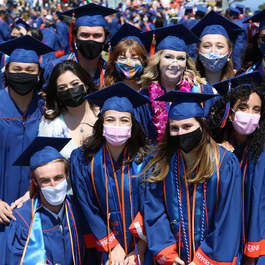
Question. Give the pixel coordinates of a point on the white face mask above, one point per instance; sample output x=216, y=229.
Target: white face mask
x=55, y=195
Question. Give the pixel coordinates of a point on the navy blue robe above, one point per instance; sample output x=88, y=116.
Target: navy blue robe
x=253, y=176
x=215, y=207
x=90, y=190
x=56, y=235
x=16, y=133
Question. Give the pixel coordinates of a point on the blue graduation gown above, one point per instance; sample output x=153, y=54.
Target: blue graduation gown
x=4, y=31
x=16, y=133
x=88, y=182
x=63, y=34
x=253, y=175
x=214, y=206
x=146, y=113
x=72, y=56
x=56, y=235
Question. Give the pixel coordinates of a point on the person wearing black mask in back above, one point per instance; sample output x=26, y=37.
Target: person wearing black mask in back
x=67, y=114
x=20, y=112
x=89, y=34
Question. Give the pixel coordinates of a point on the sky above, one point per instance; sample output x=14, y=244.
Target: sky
x=253, y=4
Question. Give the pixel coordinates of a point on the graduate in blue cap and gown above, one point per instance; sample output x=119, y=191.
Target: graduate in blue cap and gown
x=217, y=35
x=171, y=68
x=87, y=39
x=238, y=122
x=47, y=226
x=192, y=197
x=102, y=173
x=18, y=29
x=128, y=50
x=20, y=112
x=258, y=46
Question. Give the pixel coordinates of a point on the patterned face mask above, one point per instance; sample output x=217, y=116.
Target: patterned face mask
x=129, y=70
x=213, y=61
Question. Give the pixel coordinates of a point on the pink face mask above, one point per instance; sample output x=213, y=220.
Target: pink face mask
x=116, y=135
x=245, y=123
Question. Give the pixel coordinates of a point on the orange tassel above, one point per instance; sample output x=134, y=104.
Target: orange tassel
x=153, y=46
x=59, y=53
x=71, y=32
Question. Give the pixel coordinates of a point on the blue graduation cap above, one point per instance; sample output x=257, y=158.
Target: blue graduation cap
x=129, y=32
x=119, y=97
x=241, y=7
x=213, y=23
x=185, y=105
x=201, y=9
x=175, y=37
x=41, y=151
x=20, y=23
x=25, y=49
x=89, y=15
x=224, y=87
x=233, y=11
x=258, y=17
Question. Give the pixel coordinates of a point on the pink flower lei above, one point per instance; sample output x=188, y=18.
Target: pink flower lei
x=160, y=117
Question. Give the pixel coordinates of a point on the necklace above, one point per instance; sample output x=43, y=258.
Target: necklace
x=86, y=123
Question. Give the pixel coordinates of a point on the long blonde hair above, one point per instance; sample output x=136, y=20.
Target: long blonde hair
x=152, y=72
x=204, y=164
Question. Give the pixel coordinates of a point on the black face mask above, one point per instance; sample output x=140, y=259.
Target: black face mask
x=89, y=48
x=73, y=96
x=22, y=83
x=188, y=141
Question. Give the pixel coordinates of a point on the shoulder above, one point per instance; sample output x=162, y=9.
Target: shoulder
x=78, y=156
x=23, y=215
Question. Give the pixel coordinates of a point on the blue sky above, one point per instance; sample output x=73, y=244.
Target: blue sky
x=253, y=4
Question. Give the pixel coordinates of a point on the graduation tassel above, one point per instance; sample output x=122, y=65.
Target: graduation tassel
x=153, y=46
x=71, y=32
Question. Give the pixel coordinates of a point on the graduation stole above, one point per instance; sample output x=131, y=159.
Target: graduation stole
x=176, y=185
x=115, y=198
x=34, y=250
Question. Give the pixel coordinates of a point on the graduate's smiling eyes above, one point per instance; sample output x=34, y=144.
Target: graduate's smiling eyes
x=244, y=107
x=73, y=83
x=48, y=181
x=172, y=57
x=175, y=128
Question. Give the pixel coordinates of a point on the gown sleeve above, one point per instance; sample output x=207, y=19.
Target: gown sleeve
x=83, y=190
x=16, y=236
x=255, y=244
x=221, y=245
x=161, y=241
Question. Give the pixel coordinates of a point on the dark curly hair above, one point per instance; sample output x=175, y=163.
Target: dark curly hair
x=137, y=144
x=50, y=93
x=251, y=56
x=256, y=139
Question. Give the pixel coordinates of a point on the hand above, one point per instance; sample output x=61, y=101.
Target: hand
x=131, y=258
x=5, y=213
x=178, y=261
x=117, y=255
x=227, y=146
x=19, y=202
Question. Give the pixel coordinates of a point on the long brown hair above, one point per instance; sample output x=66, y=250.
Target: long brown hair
x=111, y=74
x=204, y=163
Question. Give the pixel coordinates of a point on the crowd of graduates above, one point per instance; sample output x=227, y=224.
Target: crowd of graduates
x=132, y=135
